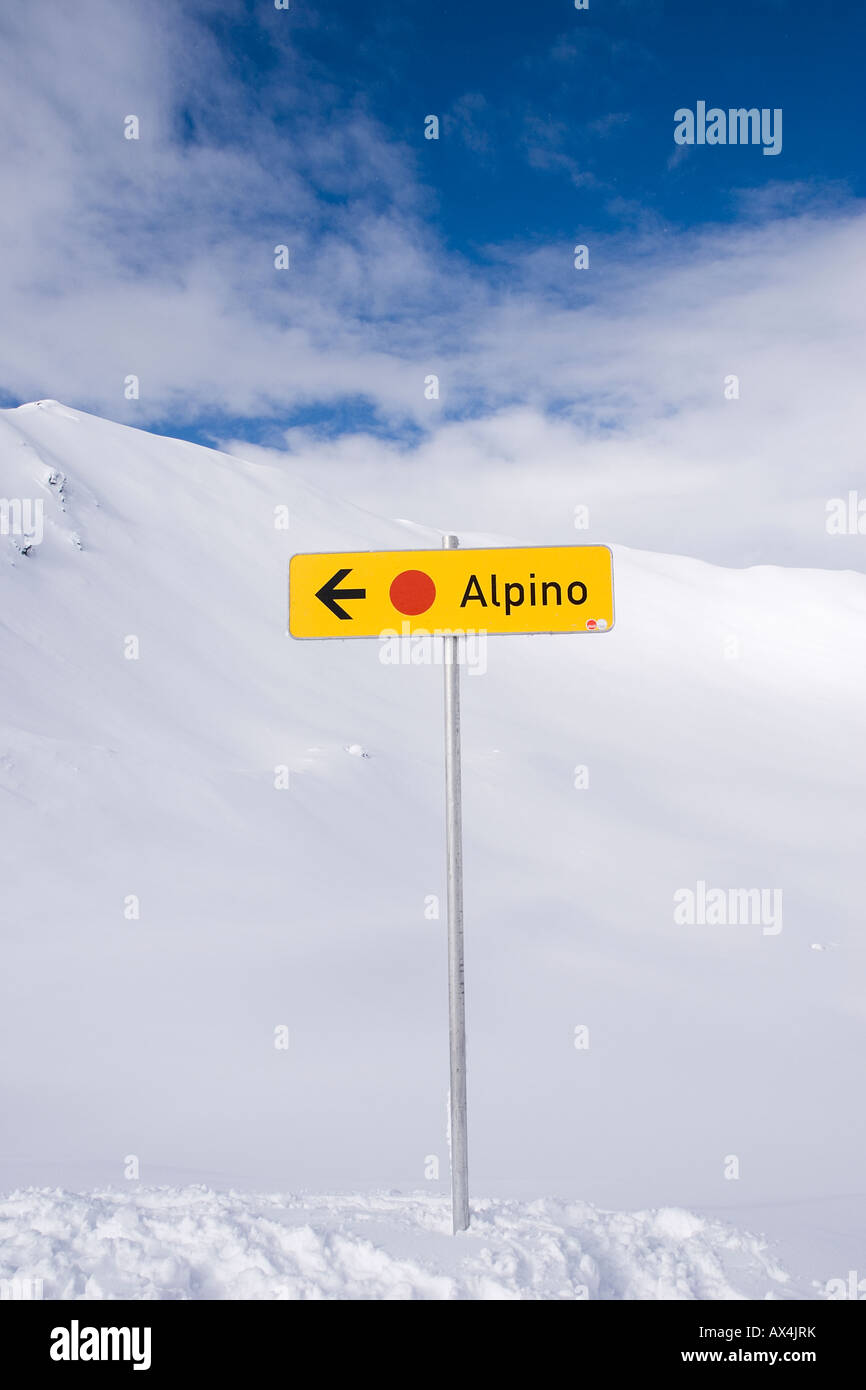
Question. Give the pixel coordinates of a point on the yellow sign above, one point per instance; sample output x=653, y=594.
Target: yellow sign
x=395, y=593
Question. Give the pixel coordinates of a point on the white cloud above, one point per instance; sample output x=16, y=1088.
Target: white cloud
x=642, y=432
x=156, y=256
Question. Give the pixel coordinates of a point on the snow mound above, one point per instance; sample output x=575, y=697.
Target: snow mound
x=195, y=1243
x=56, y=408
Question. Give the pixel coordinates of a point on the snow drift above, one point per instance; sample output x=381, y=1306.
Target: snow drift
x=183, y=1243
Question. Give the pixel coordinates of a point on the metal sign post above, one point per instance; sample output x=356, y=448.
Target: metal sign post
x=456, y=985
x=496, y=590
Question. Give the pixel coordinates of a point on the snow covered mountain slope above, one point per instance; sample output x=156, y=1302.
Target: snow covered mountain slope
x=720, y=724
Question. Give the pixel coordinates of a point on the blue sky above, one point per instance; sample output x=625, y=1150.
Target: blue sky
x=154, y=258
x=556, y=127
x=558, y=120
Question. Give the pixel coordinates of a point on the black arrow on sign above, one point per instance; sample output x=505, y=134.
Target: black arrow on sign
x=329, y=593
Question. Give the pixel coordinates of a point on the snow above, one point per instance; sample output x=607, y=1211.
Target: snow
x=55, y=407
x=181, y=1243
x=169, y=902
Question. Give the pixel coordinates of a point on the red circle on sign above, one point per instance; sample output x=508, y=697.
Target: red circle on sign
x=413, y=591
